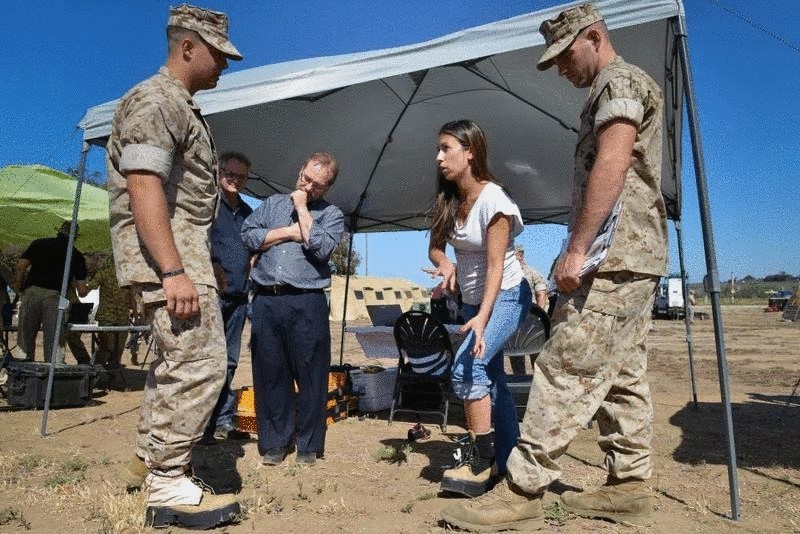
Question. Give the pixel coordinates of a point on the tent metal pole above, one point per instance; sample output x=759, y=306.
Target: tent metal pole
x=689, y=340
x=711, y=281
x=346, y=292
x=63, y=303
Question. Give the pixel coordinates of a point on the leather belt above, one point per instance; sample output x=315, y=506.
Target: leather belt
x=283, y=289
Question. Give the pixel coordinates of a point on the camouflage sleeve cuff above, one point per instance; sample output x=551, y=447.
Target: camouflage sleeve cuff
x=145, y=158
x=619, y=108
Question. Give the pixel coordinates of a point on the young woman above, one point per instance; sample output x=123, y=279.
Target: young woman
x=477, y=218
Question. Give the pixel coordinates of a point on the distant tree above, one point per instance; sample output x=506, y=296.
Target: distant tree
x=339, y=258
x=780, y=276
x=748, y=278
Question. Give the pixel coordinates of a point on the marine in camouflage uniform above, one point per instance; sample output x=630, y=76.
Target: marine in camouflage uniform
x=113, y=310
x=162, y=166
x=595, y=362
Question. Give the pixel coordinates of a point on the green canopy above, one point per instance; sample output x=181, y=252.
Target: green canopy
x=35, y=200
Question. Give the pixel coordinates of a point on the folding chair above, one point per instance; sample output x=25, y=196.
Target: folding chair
x=529, y=338
x=526, y=341
x=425, y=358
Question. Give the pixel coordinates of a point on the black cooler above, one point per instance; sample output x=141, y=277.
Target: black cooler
x=27, y=384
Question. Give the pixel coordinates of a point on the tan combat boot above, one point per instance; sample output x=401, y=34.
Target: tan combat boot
x=135, y=473
x=506, y=507
x=475, y=473
x=180, y=501
x=615, y=500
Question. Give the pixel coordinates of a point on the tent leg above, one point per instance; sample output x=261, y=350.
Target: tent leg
x=689, y=340
x=62, y=300
x=712, y=277
x=346, y=293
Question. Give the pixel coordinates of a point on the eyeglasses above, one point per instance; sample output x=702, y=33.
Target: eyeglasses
x=316, y=186
x=233, y=176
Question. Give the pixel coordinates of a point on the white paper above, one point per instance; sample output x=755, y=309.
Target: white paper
x=598, y=250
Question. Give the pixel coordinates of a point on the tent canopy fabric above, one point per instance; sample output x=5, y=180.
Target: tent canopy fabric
x=379, y=112
x=35, y=200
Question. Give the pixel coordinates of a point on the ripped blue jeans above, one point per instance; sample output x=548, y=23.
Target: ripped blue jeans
x=474, y=378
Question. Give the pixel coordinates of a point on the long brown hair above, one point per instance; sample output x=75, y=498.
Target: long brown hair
x=445, y=206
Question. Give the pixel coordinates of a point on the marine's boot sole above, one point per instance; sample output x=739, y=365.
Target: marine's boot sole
x=525, y=525
x=190, y=517
x=616, y=517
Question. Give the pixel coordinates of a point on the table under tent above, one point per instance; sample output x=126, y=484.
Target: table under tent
x=379, y=112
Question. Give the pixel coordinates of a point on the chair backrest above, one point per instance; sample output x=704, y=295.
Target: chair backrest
x=423, y=343
x=529, y=338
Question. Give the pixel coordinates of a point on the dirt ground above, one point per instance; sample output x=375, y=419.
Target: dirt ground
x=372, y=480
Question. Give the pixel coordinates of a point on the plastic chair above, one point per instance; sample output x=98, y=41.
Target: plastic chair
x=425, y=357
x=526, y=341
x=529, y=338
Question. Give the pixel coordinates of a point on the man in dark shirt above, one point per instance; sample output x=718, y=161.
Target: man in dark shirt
x=231, y=261
x=43, y=263
x=294, y=235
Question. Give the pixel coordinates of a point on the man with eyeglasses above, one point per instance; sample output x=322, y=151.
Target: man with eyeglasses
x=231, y=262
x=294, y=235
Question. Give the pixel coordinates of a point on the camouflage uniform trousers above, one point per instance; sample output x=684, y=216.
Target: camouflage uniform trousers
x=184, y=382
x=594, y=363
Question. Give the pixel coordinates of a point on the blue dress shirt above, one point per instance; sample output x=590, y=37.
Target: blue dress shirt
x=227, y=248
x=295, y=264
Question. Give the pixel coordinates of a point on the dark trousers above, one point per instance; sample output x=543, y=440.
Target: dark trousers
x=234, y=311
x=291, y=341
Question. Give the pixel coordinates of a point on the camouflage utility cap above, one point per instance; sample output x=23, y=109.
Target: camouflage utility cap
x=212, y=26
x=560, y=32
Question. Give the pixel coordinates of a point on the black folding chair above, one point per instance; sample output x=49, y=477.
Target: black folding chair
x=529, y=338
x=526, y=342
x=425, y=358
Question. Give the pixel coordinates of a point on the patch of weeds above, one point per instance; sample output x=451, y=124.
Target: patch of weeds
x=409, y=506
x=10, y=516
x=555, y=514
x=268, y=503
x=392, y=455
x=29, y=462
x=70, y=471
x=428, y=496
x=334, y=508
x=290, y=470
x=301, y=495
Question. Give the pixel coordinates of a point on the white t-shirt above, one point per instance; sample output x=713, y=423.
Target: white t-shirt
x=469, y=242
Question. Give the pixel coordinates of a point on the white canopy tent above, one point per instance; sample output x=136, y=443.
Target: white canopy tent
x=379, y=113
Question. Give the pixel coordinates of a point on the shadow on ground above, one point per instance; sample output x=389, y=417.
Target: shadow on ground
x=766, y=430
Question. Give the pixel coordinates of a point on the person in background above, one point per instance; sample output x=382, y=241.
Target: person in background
x=476, y=217
x=539, y=286
x=113, y=309
x=163, y=197
x=535, y=279
x=231, y=261
x=294, y=236
x=6, y=305
x=595, y=361
x=690, y=305
x=38, y=278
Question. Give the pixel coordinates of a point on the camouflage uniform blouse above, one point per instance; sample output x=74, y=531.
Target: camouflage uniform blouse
x=114, y=306
x=624, y=91
x=158, y=128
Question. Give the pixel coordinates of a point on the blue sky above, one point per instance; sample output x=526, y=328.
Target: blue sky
x=61, y=57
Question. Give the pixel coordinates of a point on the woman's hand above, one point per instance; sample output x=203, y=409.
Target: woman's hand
x=478, y=326
x=447, y=271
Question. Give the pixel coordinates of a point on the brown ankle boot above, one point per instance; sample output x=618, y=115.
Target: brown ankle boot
x=506, y=507
x=476, y=472
x=616, y=501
